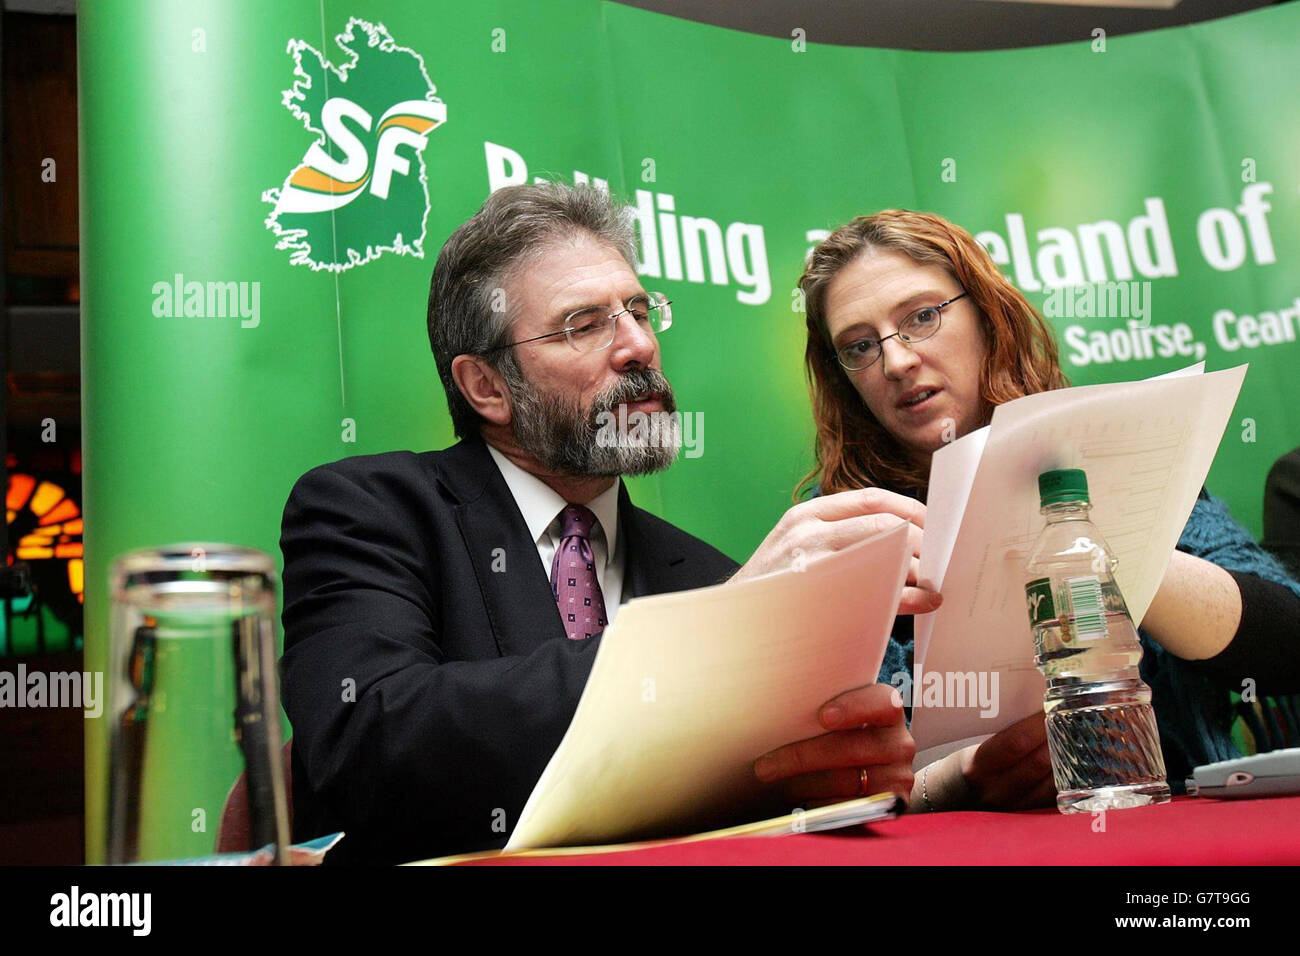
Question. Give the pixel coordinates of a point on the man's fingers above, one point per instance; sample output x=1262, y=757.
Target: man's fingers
x=845, y=784
x=824, y=537
x=895, y=778
x=838, y=535
x=841, y=784
x=843, y=749
x=867, y=501
x=876, y=705
x=831, y=523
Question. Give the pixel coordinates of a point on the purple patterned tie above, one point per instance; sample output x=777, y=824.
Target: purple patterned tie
x=573, y=576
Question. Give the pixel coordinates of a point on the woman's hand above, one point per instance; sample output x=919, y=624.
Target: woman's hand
x=1012, y=770
x=867, y=749
x=822, y=526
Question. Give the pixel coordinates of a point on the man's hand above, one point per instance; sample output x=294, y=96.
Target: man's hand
x=865, y=731
x=1012, y=770
x=816, y=528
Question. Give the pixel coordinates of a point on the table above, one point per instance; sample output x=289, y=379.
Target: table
x=1187, y=831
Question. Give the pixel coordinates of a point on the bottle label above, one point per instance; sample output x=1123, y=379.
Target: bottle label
x=1087, y=607
x=1038, y=597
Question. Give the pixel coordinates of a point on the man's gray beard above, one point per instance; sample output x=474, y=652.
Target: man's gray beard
x=563, y=439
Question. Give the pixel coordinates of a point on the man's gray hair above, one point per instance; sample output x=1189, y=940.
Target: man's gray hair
x=467, y=309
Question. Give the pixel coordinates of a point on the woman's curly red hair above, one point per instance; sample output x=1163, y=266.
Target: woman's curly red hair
x=853, y=450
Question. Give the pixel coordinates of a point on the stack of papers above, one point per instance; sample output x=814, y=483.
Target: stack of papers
x=850, y=813
x=688, y=689
x=1146, y=447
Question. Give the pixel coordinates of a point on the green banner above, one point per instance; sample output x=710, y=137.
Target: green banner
x=265, y=189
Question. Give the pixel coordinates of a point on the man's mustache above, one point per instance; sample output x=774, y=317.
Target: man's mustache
x=632, y=384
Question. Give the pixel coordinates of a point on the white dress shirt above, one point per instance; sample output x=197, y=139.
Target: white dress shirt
x=541, y=507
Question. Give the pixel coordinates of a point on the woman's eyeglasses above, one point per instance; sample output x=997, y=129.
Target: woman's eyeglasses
x=915, y=327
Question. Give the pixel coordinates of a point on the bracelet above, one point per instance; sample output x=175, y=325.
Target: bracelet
x=925, y=795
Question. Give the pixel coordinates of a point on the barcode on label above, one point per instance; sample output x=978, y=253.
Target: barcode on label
x=1089, y=611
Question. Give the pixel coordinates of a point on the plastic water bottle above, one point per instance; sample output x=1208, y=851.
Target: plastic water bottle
x=1101, y=728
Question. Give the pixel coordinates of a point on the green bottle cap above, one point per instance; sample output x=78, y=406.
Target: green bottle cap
x=1063, y=484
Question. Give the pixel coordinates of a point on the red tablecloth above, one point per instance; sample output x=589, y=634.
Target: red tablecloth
x=1187, y=831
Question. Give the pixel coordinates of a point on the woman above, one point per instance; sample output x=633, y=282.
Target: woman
x=914, y=336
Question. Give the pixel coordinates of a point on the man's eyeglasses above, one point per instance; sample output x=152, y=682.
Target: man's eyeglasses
x=915, y=327
x=588, y=330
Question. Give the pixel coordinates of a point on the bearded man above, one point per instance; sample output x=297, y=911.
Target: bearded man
x=442, y=610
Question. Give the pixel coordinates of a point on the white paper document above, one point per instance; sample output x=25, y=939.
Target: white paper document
x=1146, y=448
x=688, y=689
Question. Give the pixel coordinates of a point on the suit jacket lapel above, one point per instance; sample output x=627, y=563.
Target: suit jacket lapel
x=654, y=563
x=516, y=590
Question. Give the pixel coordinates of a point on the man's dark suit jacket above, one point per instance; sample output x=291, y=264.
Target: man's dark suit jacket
x=426, y=672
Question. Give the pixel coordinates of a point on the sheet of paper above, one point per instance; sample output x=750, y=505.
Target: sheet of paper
x=950, y=484
x=688, y=689
x=952, y=472
x=858, y=812
x=1146, y=447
